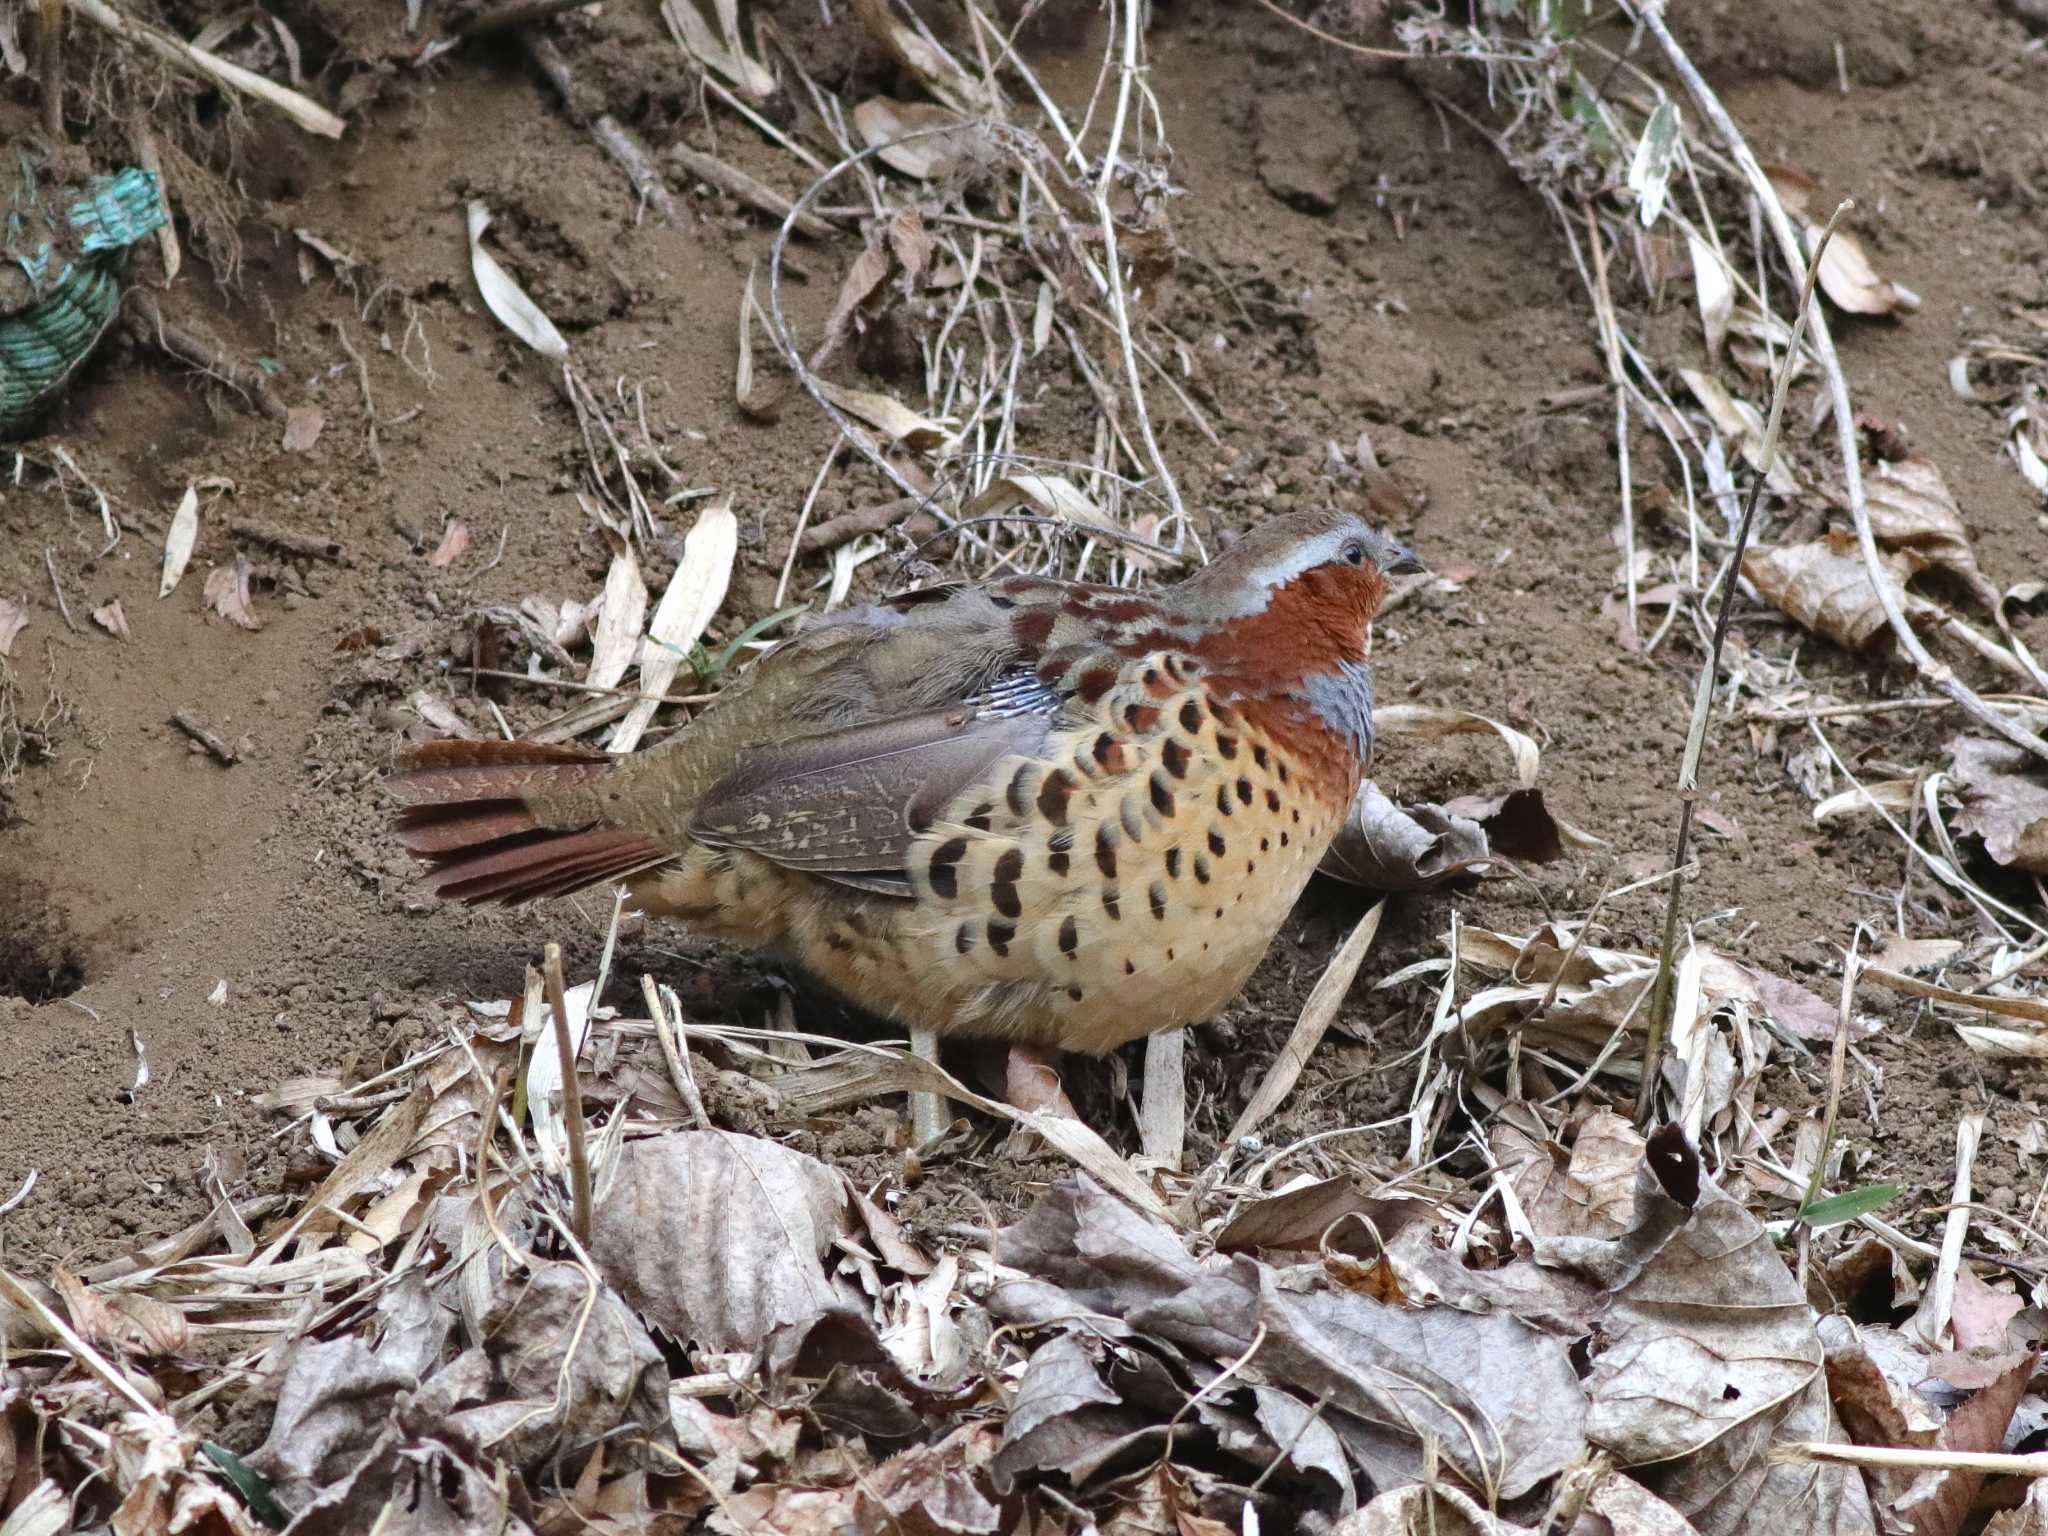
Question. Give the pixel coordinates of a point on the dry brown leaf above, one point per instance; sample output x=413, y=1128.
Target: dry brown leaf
x=719, y=1237
x=1847, y=277
x=1911, y=508
x=910, y=243
x=126, y=1323
x=1051, y=496
x=454, y=540
x=920, y=140
x=109, y=616
x=2005, y=801
x=1386, y=847
x=870, y=268
x=1825, y=586
x=887, y=415
x=227, y=593
x=302, y=427
x=13, y=620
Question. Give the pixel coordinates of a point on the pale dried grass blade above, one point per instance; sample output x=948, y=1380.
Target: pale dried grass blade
x=1310, y=1028
x=505, y=298
x=617, y=641
x=13, y=620
x=695, y=594
x=178, y=542
x=1716, y=291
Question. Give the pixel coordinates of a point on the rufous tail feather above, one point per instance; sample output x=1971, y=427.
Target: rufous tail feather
x=467, y=817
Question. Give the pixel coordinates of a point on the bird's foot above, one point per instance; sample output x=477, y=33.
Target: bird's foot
x=1031, y=1082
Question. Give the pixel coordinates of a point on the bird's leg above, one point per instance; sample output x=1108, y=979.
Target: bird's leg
x=1031, y=1081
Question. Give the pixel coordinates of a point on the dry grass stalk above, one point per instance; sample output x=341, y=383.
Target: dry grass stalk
x=572, y=1091
x=1703, y=696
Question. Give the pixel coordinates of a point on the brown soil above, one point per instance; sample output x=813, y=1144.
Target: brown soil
x=133, y=863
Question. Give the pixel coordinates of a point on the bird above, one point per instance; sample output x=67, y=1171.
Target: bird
x=60, y=283
x=1054, y=814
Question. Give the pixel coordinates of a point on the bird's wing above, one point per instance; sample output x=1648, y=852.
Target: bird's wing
x=850, y=801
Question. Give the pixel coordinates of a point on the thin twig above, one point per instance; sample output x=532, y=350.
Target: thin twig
x=50, y=64
x=151, y=327
x=572, y=1090
x=1703, y=696
x=197, y=729
x=310, y=545
x=56, y=586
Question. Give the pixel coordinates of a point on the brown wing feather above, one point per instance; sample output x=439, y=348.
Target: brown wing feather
x=847, y=800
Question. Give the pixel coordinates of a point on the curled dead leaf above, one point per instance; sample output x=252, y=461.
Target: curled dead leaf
x=1386, y=847
x=1848, y=278
x=1911, y=508
x=13, y=620
x=110, y=617
x=454, y=540
x=914, y=137
x=1825, y=586
x=2005, y=801
x=227, y=594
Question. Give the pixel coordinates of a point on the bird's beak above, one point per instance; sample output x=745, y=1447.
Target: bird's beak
x=1403, y=561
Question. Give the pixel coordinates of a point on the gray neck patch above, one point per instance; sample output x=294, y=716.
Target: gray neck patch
x=1343, y=701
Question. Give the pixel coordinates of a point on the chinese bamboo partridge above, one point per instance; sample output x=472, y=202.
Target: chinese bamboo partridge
x=1056, y=814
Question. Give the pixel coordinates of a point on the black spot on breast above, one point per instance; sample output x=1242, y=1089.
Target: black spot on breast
x=1105, y=850
x=1070, y=936
x=1054, y=794
x=1060, y=847
x=1250, y=865
x=1191, y=716
x=1151, y=677
x=1295, y=817
x=1176, y=756
x=1108, y=753
x=1273, y=801
x=1074, y=993
x=1002, y=891
x=1281, y=769
x=1143, y=718
x=1111, y=905
x=1019, y=792
x=1226, y=744
x=1162, y=793
x=1216, y=844
x=1244, y=790
x=1130, y=969
x=1202, y=868
x=1219, y=911
x=1283, y=839
x=919, y=818
x=1266, y=844
x=1260, y=755
x=1223, y=805
x=999, y=936
x=1157, y=894
x=963, y=938
x=944, y=871
x=1173, y=863
x=981, y=819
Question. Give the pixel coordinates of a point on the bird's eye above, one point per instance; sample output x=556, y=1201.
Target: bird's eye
x=1354, y=552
